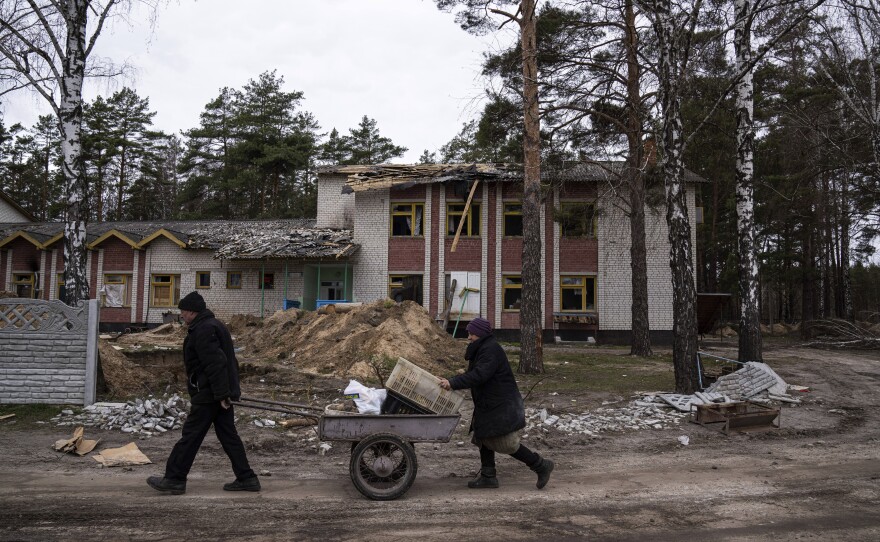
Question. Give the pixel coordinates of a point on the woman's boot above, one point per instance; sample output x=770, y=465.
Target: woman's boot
x=486, y=478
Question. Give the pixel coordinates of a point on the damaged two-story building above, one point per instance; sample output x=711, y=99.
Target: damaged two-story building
x=406, y=221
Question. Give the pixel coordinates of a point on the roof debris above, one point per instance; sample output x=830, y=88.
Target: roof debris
x=228, y=239
x=374, y=177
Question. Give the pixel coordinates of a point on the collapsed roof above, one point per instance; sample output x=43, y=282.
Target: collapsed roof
x=374, y=177
x=228, y=239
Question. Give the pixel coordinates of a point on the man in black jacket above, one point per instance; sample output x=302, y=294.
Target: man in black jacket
x=212, y=383
x=498, y=407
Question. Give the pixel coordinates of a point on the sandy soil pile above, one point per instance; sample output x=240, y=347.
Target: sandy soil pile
x=347, y=344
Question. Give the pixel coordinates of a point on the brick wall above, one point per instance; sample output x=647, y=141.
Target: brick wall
x=614, y=277
x=371, y=233
x=335, y=209
x=406, y=253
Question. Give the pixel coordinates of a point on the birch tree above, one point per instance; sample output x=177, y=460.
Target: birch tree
x=745, y=14
x=480, y=16
x=674, y=29
x=47, y=46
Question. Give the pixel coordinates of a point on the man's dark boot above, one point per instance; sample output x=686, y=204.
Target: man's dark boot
x=248, y=484
x=543, y=467
x=165, y=485
x=485, y=479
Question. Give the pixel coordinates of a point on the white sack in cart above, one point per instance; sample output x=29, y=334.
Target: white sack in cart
x=368, y=400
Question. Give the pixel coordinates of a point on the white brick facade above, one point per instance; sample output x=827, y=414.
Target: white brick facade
x=335, y=209
x=163, y=257
x=371, y=233
x=614, y=280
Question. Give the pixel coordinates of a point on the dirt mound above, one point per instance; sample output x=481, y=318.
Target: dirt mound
x=243, y=323
x=348, y=344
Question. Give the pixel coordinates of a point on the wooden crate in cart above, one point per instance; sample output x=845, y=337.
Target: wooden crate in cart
x=383, y=462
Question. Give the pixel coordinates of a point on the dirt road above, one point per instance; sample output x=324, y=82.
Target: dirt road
x=817, y=477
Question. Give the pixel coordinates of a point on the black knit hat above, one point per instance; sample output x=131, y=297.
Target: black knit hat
x=192, y=302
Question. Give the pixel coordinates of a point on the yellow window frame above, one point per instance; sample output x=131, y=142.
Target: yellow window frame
x=119, y=278
x=199, y=275
x=416, y=210
x=395, y=281
x=585, y=280
x=509, y=282
x=232, y=285
x=24, y=279
x=59, y=284
x=158, y=287
x=454, y=210
x=510, y=213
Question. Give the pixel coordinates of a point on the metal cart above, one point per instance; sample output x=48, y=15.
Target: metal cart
x=383, y=462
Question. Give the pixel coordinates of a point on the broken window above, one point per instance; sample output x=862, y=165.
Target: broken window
x=23, y=285
x=268, y=281
x=455, y=214
x=405, y=287
x=511, y=292
x=406, y=219
x=577, y=293
x=203, y=279
x=577, y=219
x=165, y=290
x=513, y=226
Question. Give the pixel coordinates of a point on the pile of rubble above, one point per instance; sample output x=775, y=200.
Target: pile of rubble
x=639, y=414
x=144, y=417
x=755, y=381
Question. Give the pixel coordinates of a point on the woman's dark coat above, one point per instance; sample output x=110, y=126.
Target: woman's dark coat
x=209, y=357
x=498, y=406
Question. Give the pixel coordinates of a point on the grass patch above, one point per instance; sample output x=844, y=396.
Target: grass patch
x=607, y=373
x=28, y=415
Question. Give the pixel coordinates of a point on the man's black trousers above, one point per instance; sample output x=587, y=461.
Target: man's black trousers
x=197, y=424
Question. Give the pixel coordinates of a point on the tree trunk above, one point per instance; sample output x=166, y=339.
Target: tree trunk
x=531, y=329
x=845, y=282
x=684, y=327
x=120, y=189
x=641, y=327
x=76, y=282
x=749, y=318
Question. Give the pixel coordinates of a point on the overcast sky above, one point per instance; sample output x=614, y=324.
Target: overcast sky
x=402, y=62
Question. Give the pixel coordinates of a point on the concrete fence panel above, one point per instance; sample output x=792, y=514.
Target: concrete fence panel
x=48, y=351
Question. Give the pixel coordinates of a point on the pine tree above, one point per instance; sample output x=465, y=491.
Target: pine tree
x=366, y=146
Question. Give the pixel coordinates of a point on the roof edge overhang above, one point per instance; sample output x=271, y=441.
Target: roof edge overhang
x=113, y=233
x=23, y=235
x=162, y=232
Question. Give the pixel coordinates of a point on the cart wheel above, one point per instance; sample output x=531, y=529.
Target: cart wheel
x=383, y=467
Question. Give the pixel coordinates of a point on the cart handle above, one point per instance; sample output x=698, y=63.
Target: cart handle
x=278, y=407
